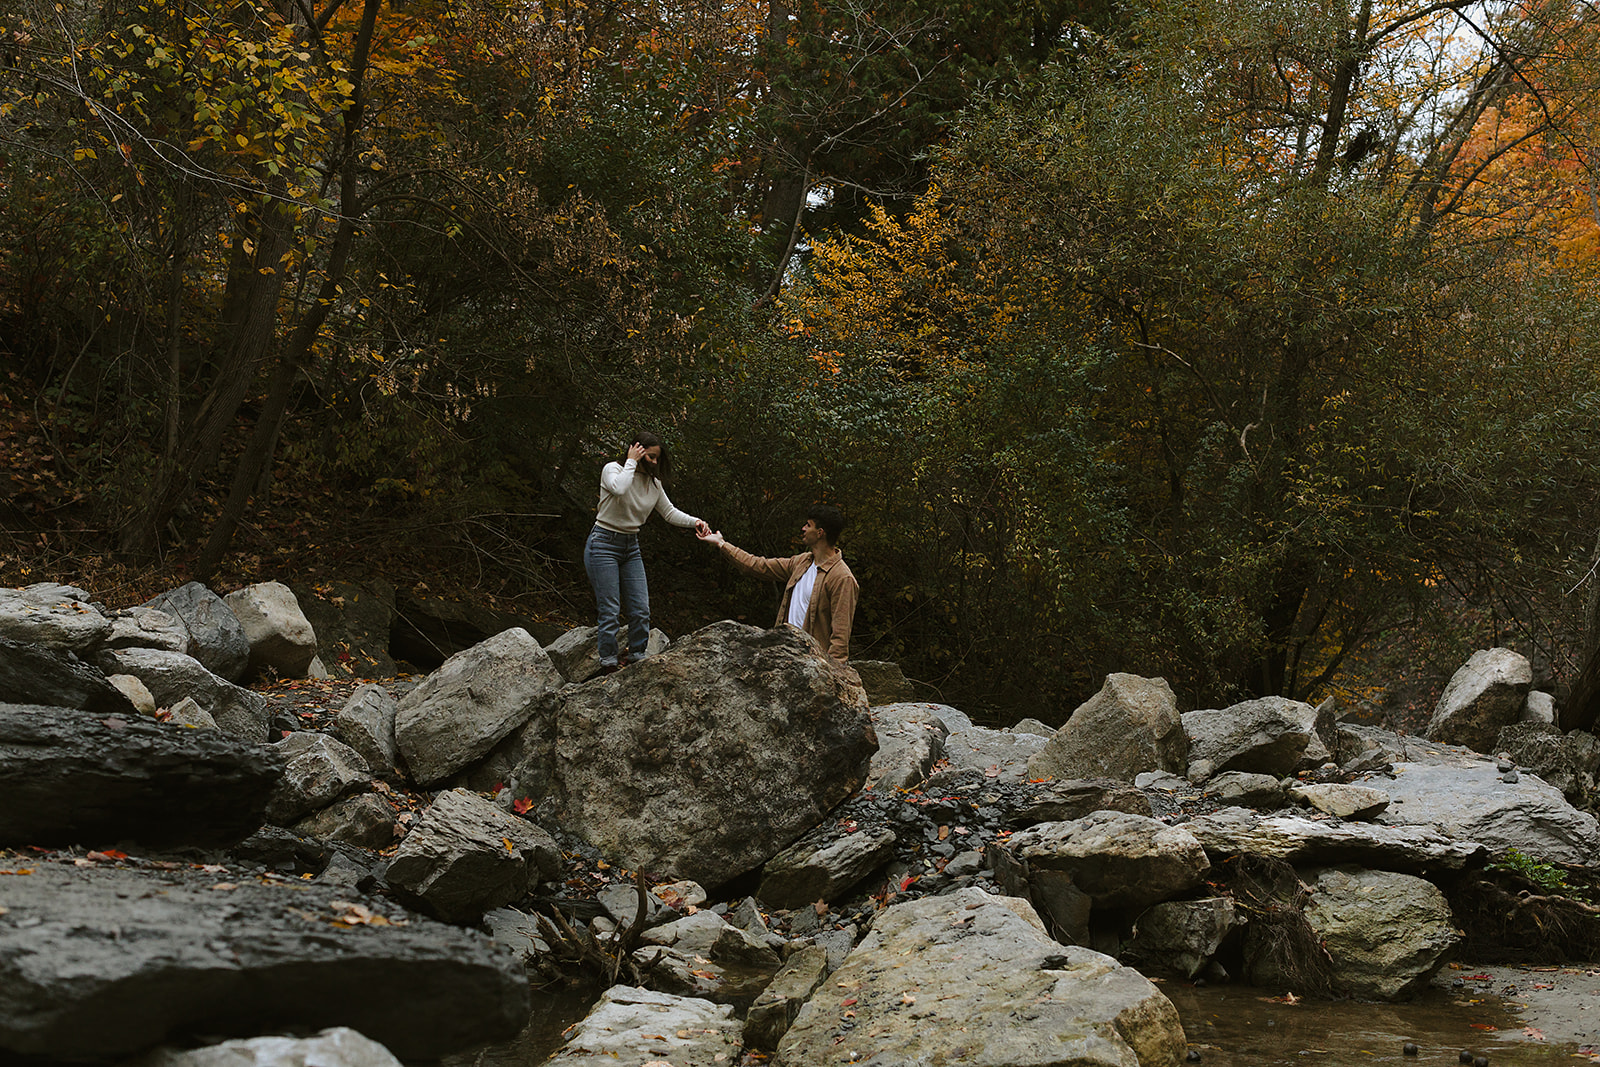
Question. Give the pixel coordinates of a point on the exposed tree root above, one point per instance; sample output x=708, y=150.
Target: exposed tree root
x=1505, y=921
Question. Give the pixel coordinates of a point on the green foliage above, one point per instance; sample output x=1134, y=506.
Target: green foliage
x=1285, y=414
x=1546, y=876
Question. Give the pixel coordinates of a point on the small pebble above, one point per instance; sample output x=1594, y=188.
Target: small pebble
x=1509, y=776
x=1481, y=1061
x=1409, y=1048
x=1193, y=1055
x=1465, y=1057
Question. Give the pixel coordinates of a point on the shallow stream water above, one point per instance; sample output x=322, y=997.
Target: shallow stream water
x=1237, y=1026
x=1229, y=1026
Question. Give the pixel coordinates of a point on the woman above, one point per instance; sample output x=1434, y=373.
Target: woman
x=629, y=491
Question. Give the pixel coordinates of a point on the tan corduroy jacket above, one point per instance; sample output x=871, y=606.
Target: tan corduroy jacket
x=833, y=598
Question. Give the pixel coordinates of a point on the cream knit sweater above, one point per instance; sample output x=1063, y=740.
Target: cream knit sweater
x=627, y=497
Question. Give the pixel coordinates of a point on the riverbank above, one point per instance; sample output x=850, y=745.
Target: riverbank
x=1559, y=1005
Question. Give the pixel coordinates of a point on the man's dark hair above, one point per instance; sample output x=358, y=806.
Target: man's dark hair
x=663, y=465
x=829, y=518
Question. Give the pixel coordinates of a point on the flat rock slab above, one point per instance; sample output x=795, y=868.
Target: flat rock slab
x=1475, y=803
x=1299, y=840
x=106, y=962
x=77, y=777
x=36, y=674
x=59, y=617
x=972, y=979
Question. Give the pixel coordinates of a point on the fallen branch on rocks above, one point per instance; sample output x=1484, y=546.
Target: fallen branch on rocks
x=589, y=955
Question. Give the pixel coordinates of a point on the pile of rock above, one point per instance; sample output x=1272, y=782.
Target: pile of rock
x=920, y=882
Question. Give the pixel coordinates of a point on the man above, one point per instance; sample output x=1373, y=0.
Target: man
x=821, y=595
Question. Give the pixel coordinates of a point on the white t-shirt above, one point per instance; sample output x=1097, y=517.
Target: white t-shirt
x=800, y=599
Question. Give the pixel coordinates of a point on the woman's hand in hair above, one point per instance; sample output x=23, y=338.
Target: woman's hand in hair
x=636, y=451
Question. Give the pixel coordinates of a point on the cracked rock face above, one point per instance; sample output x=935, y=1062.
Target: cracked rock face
x=73, y=777
x=104, y=963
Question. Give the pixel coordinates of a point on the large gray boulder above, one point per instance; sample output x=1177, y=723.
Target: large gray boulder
x=1341, y=799
x=70, y=776
x=1387, y=933
x=705, y=761
x=1058, y=801
x=466, y=856
x=973, y=978
x=59, y=617
x=38, y=674
x=823, y=867
x=1299, y=840
x=775, y=1009
x=1129, y=727
x=318, y=770
x=366, y=724
x=629, y=1025
x=216, y=638
x=1244, y=789
x=1265, y=736
x=1477, y=802
x=576, y=653
x=105, y=963
x=365, y=820
x=1490, y=691
x=1570, y=762
x=1360, y=747
x=883, y=680
x=281, y=639
x=475, y=698
x=172, y=676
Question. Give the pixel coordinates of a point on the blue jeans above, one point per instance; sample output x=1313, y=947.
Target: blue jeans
x=616, y=571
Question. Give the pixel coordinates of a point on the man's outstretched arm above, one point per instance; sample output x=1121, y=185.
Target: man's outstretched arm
x=760, y=566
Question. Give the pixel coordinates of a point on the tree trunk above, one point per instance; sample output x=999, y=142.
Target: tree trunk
x=1582, y=706
x=257, y=457
x=252, y=333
